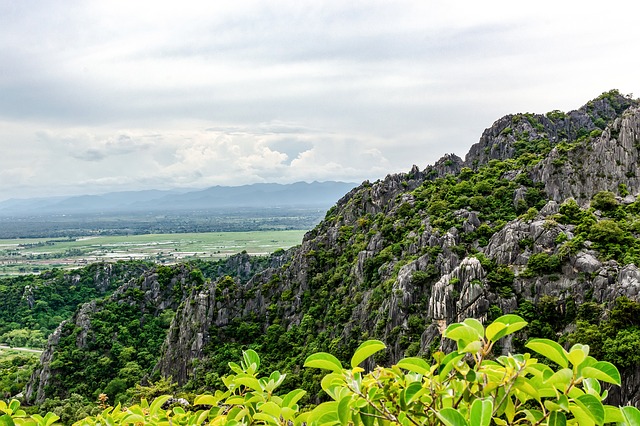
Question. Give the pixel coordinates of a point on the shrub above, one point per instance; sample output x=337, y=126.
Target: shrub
x=468, y=386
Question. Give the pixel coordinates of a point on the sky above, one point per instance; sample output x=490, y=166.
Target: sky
x=100, y=96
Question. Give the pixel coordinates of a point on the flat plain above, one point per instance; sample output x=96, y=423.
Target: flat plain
x=28, y=255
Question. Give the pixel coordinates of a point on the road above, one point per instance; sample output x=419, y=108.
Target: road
x=35, y=351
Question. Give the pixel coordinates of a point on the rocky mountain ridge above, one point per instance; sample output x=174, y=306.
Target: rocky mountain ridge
x=530, y=222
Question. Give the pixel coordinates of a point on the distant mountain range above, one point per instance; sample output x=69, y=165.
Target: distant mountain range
x=259, y=195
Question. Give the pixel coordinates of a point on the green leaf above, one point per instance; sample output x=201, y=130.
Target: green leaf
x=365, y=350
x=592, y=406
x=50, y=419
x=250, y=382
x=578, y=353
x=613, y=414
x=267, y=418
x=415, y=365
x=344, y=410
x=631, y=415
x=270, y=408
x=472, y=348
x=581, y=416
x=206, y=400
x=6, y=420
x=366, y=415
x=561, y=379
x=557, y=418
x=481, y=410
x=323, y=360
x=504, y=325
x=451, y=417
x=524, y=385
x=603, y=370
x=549, y=349
x=414, y=391
x=251, y=358
x=475, y=324
x=156, y=406
x=325, y=413
x=292, y=397
x=459, y=331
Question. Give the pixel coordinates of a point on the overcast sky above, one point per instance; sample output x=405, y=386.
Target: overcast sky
x=101, y=96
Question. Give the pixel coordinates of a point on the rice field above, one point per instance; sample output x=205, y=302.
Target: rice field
x=29, y=255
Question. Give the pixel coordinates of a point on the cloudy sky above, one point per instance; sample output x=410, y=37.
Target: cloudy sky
x=98, y=96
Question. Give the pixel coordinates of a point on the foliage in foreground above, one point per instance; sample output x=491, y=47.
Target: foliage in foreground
x=466, y=387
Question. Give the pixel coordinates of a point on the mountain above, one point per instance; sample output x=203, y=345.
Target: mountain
x=269, y=195
x=541, y=218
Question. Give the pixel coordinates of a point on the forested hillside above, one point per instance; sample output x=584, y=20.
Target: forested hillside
x=540, y=219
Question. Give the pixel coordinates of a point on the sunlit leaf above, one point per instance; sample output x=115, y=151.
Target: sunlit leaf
x=415, y=365
x=323, y=360
x=503, y=326
x=549, y=349
x=459, y=331
x=481, y=410
x=451, y=417
x=603, y=370
x=592, y=406
x=365, y=350
x=631, y=416
x=293, y=397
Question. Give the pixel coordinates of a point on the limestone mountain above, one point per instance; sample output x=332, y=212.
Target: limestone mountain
x=541, y=218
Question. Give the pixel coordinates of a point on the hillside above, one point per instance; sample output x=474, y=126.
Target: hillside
x=540, y=218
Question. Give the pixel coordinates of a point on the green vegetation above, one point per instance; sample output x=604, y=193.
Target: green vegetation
x=15, y=369
x=468, y=386
x=19, y=256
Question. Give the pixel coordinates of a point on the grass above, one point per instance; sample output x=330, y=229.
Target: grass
x=27, y=255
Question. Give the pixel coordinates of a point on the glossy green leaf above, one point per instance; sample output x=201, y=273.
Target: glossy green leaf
x=503, y=326
x=603, y=370
x=413, y=392
x=557, y=418
x=325, y=413
x=560, y=379
x=481, y=410
x=267, y=418
x=451, y=417
x=206, y=400
x=631, y=416
x=459, y=331
x=592, y=406
x=249, y=381
x=612, y=414
x=6, y=420
x=549, y=349
x=581, y=416
x=251, y=361
x=415, y=365
x=293, y=397
x=344, y=410
x=156, y=405
x=323, y=360
x=472, y=348
x=365, y=350
x=475, y=324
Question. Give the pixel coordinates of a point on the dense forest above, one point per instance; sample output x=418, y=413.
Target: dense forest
x=541, y=221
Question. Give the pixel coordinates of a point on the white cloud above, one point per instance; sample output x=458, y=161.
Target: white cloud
x=97, y=95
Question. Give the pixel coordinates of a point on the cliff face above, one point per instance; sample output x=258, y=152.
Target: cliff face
x=400, y=258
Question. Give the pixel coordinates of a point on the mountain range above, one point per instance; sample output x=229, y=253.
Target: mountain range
x=259, y=195
x=541, y=219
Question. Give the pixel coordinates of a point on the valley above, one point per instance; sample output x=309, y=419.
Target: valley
x=33, y=255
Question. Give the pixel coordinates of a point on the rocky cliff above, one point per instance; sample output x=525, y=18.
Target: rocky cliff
x=539, y=219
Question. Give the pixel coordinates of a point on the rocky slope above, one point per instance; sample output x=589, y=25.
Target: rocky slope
x=400, y=258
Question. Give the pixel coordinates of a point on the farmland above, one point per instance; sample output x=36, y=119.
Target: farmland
x=31, y=255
